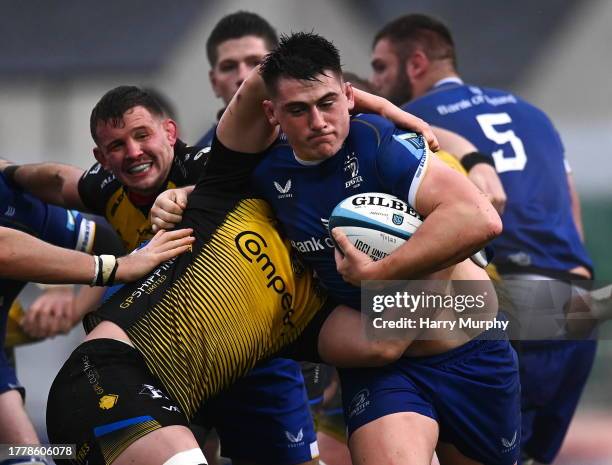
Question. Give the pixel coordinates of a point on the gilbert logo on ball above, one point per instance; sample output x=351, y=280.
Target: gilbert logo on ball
x=375, y=223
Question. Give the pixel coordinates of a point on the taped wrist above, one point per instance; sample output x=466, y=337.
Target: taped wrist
x=105, y=269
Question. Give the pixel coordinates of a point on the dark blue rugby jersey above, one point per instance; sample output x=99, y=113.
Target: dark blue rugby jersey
x=206, y=139
x=376, y=157
x=539, y=230
x=49, y=223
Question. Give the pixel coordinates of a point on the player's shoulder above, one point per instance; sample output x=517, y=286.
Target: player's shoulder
x=188, y=163
x=96, y=181
x=367, y=127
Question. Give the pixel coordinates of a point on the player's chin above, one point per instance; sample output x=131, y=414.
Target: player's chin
x=326, y=149
x=149, y=182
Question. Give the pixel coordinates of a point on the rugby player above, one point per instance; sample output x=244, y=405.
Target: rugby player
x=158, y=349
x=44, y=243
x=390, y=414
x=261, y=408
x=414, y=59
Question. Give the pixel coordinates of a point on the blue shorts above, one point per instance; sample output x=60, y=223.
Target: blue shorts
x=553, y=375
x=473, y=392
x=265, y=416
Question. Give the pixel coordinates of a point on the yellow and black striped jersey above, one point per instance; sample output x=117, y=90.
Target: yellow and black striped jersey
x=104, y=195
x=206, y=318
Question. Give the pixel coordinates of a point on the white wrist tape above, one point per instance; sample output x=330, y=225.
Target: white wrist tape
x=96, y=271
x=187, y=457
x=108, y=264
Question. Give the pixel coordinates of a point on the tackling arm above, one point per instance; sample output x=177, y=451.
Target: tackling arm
x=51, y=182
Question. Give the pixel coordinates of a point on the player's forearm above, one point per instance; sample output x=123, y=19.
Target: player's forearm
x=449, y=235
x=244, y=126
x=51, y=182
x=369, y=103
x=26, y=258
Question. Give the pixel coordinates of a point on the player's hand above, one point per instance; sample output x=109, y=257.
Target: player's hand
x=487, y=180
x=167, y=211
x=51, y=313
x=352, y=264
x=164, y=246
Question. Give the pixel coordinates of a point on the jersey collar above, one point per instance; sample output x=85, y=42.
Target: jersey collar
x=452, y=80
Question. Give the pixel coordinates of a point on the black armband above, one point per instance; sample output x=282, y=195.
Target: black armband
x=474, y=158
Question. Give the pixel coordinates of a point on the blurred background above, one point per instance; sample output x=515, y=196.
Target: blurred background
x=58, y=58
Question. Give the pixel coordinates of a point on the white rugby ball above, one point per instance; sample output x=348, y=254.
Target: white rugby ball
x=375, y=223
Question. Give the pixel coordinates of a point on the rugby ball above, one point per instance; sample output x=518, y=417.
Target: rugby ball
x=375, y=223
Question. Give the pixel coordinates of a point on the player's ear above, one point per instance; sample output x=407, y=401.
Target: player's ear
x=100, y=157
x=416, y=65
x=213, y=82
x=268, y=107
x=350, y=97
x=171, y=130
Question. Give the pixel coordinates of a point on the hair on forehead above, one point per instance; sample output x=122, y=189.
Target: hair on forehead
x=236, y=26
x=303, y=56
x=113, y=105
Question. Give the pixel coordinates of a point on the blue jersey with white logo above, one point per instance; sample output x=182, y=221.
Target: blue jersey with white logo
x=49, y=223
x=376, y=157
x=539, y=230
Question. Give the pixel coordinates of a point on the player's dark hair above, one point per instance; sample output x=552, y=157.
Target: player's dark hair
x=235, y=26
x=408, y=32
x=117, y=101
x=303, y=56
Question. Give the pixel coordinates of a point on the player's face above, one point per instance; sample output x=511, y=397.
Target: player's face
x=389, y=77
x=313, y=114
x=236, y=59
x=139, y=152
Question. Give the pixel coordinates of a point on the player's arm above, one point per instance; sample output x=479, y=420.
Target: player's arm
x=459, y=222
x=482, y=174
x=244, y=126
x=54, y=183
x=19, y=251
x=576, y=207
x=369, y=103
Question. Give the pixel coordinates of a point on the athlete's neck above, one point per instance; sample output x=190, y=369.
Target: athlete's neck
x=141, y=200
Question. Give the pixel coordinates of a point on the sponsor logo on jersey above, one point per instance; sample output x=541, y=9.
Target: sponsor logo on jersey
x=313, y=244
x=251, y=246
x=108, y=401
x=10, y=211
x=359, y=403
x=107, y=180
x=283, y=190
x=153, y=281
x=351, y=167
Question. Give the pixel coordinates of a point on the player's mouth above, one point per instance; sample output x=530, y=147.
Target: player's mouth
x=140, y=168
x=319, y=138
